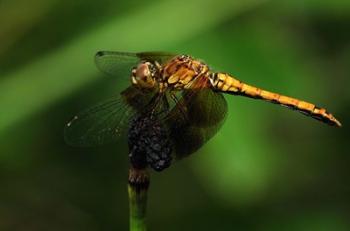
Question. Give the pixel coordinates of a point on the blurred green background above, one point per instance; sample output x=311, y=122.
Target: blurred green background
x=267, y=169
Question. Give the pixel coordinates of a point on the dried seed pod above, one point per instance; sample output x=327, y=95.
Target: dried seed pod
x=149, y=144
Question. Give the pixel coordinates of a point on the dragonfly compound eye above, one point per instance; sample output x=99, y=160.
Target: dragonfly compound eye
x=143, y=75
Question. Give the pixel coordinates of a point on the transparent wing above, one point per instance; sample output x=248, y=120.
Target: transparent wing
x=120, y=63
x=100, y=124
x=106, y=121
x=116, y=63
x=195, y=119
x=160, y=57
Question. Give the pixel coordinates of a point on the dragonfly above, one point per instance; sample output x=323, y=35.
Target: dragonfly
x=179, y=93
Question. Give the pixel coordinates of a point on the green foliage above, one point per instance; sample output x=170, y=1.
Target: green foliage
x=267, y=169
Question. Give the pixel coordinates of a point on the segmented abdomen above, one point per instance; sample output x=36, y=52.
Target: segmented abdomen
x=227, y=84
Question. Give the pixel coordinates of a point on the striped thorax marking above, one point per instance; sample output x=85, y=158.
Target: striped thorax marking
x=180, y=72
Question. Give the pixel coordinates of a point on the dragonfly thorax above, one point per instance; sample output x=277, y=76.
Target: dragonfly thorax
x=182, y=71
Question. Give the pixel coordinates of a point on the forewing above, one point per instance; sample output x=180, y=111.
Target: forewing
x=106, y=121
x=196, y=119
x=160, y=57
x=116, y=63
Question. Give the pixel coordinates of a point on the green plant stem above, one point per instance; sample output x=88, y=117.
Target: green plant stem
x=137, y=190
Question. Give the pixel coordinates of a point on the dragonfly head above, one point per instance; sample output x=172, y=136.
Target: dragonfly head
x=144, y=75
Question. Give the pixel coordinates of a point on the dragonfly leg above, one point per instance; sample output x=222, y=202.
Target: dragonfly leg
x=158, y=104
x=164, y=106
x=180, y=105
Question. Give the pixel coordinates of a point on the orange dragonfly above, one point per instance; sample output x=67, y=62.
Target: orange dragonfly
x=180, y=95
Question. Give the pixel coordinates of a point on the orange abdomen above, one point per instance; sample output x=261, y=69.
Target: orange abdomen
x=227, y=84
